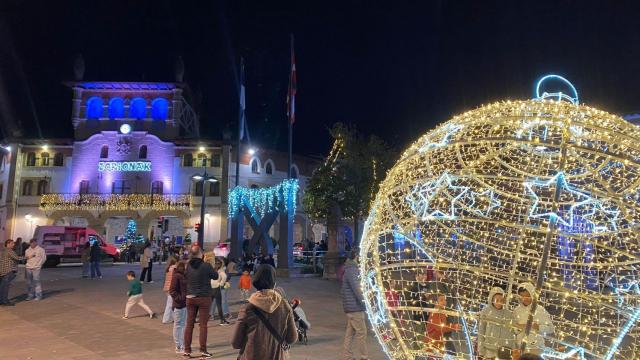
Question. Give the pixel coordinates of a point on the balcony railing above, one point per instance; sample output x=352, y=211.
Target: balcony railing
x=115, y=202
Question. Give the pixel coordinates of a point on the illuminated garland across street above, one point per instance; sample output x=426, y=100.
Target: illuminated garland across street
x=265, y=200
x=115, y=202
x=543, y=191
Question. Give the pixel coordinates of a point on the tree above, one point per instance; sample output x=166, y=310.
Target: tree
x=346, y=183
x=131, y=233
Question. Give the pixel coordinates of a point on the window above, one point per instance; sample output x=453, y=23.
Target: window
x=94, y=108
x=31, y=159
x=202, y=160
x=142, y=154
x=58, y=159
x=104, y=152
x=138, y=108
x=214, y=188
x=215, y=160
x=198, y=188
x=120, y=187
x=254, y=166
x=84, y=187
x=43, y=187
x=116, y=108
x=159, y=109
x=156, y=187
x=268, y=169
x=187, y=160
x=27, y=187
x=44, y=159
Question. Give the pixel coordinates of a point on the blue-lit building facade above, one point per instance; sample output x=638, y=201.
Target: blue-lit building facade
x=132, y=156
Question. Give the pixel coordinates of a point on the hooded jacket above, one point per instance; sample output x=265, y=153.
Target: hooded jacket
x=199, y=274
x=253, y=338
x=495, y=328
x=535, y=340
x=352, y=299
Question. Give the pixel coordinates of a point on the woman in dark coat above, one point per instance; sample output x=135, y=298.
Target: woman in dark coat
x=251, y=335
x=95, y=255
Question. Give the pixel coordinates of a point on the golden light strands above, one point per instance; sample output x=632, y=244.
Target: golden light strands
x=471, y=205
x=118, y=202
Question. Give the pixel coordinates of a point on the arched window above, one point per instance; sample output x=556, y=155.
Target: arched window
x=43, y=187
x=156, y=187
x=44, y=159
x=294, y=172
x=187, y=160
x=104, y=152
x=58, y=159
x=214, y=188
x=159, y=109
x=27, y=187
x=138, y=108
x=94, y=107
x=254, y=166
x=202, y=160
x=268, y=169
x=142, y=154
x=116, y=108
x=31, y=159
x=84, y=187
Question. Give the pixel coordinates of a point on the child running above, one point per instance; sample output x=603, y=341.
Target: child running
x=135, y=296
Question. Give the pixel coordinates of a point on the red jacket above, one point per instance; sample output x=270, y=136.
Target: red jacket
x=245, y=282
x=437, y=326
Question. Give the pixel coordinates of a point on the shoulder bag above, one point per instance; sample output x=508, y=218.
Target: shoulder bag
x=283, y=344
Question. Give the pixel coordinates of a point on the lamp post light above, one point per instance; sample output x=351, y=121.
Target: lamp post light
x=203, y=178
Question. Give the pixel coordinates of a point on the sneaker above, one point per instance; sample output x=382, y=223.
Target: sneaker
x=29, y=298
x=150, y=282
x=206, y=355
x=37, y=299
x=125, y=317
x=224, y=323
x=100, y=277
x=179, y=351
x=152, y=315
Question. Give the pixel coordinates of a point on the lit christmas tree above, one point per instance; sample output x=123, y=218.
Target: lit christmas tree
x=131, y=231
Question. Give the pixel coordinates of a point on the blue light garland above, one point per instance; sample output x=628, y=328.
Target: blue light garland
x=265, y=200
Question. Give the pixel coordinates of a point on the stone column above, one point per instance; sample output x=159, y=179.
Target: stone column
x=75, y=106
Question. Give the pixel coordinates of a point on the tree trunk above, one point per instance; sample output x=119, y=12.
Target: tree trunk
x=331, y=259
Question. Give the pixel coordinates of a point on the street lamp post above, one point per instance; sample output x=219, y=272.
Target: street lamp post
x=203, y=179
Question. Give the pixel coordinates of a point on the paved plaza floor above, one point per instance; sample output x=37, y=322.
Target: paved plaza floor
x=81, y=319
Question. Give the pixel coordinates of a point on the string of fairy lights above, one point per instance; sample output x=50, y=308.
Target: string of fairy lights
x=265, y=200
x=117, y=202
x=472, y=204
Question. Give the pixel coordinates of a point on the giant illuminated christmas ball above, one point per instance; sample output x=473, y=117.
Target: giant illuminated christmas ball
x=545, y=191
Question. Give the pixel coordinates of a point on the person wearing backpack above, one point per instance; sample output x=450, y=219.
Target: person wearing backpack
x=265, y=327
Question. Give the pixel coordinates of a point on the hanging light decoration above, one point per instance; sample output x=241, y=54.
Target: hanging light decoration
x=543, y=191
x=265, y=200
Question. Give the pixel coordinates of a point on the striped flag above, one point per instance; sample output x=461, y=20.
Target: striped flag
x=291, y=95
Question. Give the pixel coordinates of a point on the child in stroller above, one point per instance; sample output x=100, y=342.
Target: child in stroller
x=301, y=320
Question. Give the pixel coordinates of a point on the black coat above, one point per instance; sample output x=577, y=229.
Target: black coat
x=96, y=253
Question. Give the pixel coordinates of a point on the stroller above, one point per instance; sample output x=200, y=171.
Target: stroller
x=302, y=324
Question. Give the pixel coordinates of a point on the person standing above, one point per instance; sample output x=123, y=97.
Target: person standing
x=216, y=292
x=8, y=268
x=36, y=257
x=496, y=336
x=85, y=259
x=95, y=255
x=245, y=285
x=266, y=326
x=353, y=305
x=168, y=275
x=178, y=293
x=198, y=275
x=146, y=262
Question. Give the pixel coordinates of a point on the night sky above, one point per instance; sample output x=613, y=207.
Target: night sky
x=393, y=68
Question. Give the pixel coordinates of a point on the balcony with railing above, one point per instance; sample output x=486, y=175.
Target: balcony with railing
x=104, y=202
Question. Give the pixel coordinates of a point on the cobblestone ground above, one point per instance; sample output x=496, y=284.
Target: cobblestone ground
x=81, y=319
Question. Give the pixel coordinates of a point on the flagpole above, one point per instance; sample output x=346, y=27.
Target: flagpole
x=290, y=115
x=240, y=119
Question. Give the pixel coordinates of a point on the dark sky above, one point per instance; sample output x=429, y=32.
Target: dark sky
x=393, y=68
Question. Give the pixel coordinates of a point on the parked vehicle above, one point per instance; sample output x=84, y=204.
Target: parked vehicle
x=222, y=249
x=65, y=243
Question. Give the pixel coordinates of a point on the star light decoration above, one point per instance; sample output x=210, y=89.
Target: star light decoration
x=479, y=197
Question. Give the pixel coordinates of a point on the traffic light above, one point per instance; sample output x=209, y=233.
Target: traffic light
x=198, y=227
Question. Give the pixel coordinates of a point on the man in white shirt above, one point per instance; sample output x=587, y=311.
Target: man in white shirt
x=36, y=257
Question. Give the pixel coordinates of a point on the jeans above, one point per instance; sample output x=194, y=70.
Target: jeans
x=200, y=306
x=95, y=269
x=216, y=302
x=356, y=331
x=85, y=268
x=5, y=283
x=34, y=285
x=179, y=319
x=168, y=311
x=147, y=271
x=225, y=303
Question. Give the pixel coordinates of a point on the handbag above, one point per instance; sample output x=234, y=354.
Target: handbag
x=285, y=347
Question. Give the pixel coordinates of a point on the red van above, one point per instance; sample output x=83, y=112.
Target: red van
x=65, y=243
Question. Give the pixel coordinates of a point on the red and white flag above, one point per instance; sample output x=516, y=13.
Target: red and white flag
x=291, y=95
